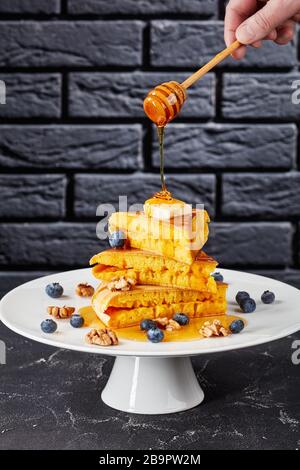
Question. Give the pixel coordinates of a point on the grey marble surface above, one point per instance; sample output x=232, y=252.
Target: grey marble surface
x=50, y=398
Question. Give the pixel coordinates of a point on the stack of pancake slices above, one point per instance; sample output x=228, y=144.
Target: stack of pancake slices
x=160, y=270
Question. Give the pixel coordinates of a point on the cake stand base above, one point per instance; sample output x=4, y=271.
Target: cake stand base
x=152, y=385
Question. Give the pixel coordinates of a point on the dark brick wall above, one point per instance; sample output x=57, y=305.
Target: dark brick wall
x=73, y=133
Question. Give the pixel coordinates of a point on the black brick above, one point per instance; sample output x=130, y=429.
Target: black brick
x=259, y=96
x=250, y=244
x=228, y=146
x=11, y=279
x=31, y=95
x=114, y=147
x=92, y=190
x=198, y=41
x=205, y=8
x=32, y=196
x=63, y=43
x=52, y=244
x=261, y=195
x=29, y=6
x=122, y=94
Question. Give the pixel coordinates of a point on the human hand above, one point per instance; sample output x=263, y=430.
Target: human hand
x=251, y=21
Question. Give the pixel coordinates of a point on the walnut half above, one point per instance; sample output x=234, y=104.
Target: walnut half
x=61, y=312
x=215, y=328
x=84, y=290
x=169, y=324
x=102, y=337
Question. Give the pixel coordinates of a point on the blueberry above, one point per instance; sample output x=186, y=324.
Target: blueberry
x=76, y=320
x=236, y=326
x=248, y=305
x=218, y=277
x=268, y=297
x=181, y=318
x=54, y=290
x=145, y=325
x=241, y=295
x=117, y=239
x=49, y=326
x=155, y=335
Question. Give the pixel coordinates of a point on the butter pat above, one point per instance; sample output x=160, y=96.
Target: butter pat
x=166, y=209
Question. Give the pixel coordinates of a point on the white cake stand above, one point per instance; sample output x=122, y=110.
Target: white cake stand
x=152, y=378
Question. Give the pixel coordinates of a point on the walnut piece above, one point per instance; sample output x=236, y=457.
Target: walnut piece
x=169, y=324
x=102, y=337
x=215, y=328
x=84, y=290
x=122, y=283
x=173, y=325
x=163, y=321
x=61, y=312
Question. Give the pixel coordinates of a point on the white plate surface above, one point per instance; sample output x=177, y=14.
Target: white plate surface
x=23, y=309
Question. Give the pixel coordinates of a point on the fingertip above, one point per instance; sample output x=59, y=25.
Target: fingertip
x=227, y=41
x=272, y=36
x=239, y=53
x=285, y=35
x=226, y=37
x=283, y=40
x=229, y=37
x=257, y=44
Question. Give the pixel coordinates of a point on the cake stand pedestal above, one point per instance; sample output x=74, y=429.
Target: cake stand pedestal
x=149, y=385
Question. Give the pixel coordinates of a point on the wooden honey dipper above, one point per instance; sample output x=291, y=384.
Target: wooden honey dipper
x=165, y=101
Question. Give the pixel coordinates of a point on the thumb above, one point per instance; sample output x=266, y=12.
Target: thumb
x=266, y=19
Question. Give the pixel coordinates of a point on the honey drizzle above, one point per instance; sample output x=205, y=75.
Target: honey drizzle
x=161, y=134
x=164, y=193
x=133, y=333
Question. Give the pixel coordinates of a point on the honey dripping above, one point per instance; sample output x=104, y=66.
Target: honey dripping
x=164, y=193
x=161, y=105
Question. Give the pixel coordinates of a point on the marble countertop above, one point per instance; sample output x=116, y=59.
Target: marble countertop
x=50, y=399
